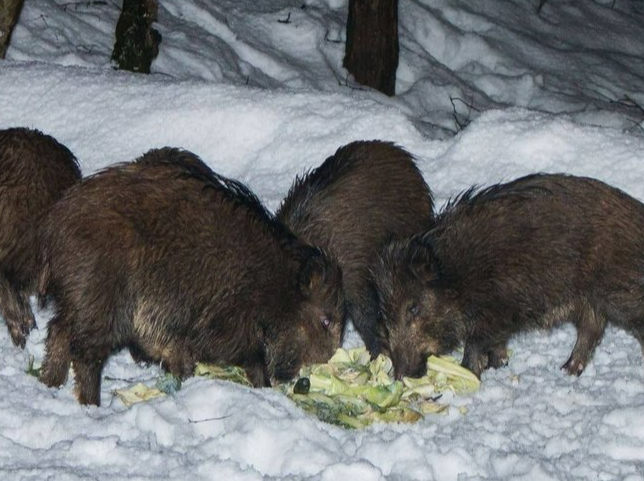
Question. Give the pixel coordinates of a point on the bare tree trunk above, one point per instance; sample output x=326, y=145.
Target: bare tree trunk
x=9, y=13
x=372, y=43
x=137, y=43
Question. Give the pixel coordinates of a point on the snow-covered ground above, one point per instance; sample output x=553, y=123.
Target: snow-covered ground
x=261, y=101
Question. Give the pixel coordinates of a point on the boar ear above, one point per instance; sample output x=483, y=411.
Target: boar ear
x=425, y=266
x=312, y=274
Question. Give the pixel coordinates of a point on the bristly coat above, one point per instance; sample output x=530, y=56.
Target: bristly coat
x=360, y=197
x=528, y=254
x=35, y=170
x=181, y=265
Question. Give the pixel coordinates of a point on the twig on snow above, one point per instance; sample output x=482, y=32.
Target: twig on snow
x=629, y=102
x=461, y=124
x=288, y=19
x=197, y=421
x=90, y=3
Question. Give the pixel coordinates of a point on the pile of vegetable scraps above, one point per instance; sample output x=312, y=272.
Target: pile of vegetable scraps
x=350, y=390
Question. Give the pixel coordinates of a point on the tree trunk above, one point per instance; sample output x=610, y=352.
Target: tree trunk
x=372, y=43
x=9, y=13
x=137, y=43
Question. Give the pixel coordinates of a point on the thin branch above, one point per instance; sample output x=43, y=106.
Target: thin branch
x=469, y=104
x=288, y=19
x=90, y=3
x=460, y=125
x=86, y=48
x=344, y=83
x=636, y=125
x=197, y=421
x=44, y=20
x=629, y=102
x=110, y=378
x=352, y=87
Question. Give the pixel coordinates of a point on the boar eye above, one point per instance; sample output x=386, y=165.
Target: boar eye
x=325, y=321
x=414, y=309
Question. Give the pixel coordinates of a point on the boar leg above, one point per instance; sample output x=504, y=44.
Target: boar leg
x=181, y=365
x=639, y=335
x=498, y=356
x=363, y=314
x=590, y=329
x=16, y=311
x=92, y=343
x=475, y=358
x=257, y=372
x=258, y=376
x=87, y=374
x=57, y=352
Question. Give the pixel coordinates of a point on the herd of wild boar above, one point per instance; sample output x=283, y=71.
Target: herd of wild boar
x=179, y=264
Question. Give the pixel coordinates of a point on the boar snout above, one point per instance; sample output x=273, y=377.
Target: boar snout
x=407, y=364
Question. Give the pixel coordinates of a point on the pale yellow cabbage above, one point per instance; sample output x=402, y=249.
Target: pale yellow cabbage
x=227, y=373
x=351, y=390
x=138, y=393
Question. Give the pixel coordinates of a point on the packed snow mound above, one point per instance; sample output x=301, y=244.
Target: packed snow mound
x=457, y=57
x=503, y=144
x=239, y=131
x=582, y=58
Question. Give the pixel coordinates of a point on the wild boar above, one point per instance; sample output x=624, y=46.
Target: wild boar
x=362, y=196
x=35, y=170
x=528, y=254
x=181, y=265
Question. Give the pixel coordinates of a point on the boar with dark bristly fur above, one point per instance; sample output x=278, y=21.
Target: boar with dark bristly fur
x=181, y=265
x=35, y=170
x=362, y=196
x=527, y=254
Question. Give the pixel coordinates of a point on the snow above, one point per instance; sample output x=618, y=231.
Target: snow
x=262, y=101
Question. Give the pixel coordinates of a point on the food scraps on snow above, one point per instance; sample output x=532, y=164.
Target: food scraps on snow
x=350, y=390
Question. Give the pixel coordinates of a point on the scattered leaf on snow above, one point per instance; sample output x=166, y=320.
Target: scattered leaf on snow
x=168, y=384
x=138, y=393
x=32, y=370
x=227, y=373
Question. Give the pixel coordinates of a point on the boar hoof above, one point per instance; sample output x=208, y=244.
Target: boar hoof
x=497, y=359
x=18, y=338
x=477, y=366
x=19, y=330
x=573, y=367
